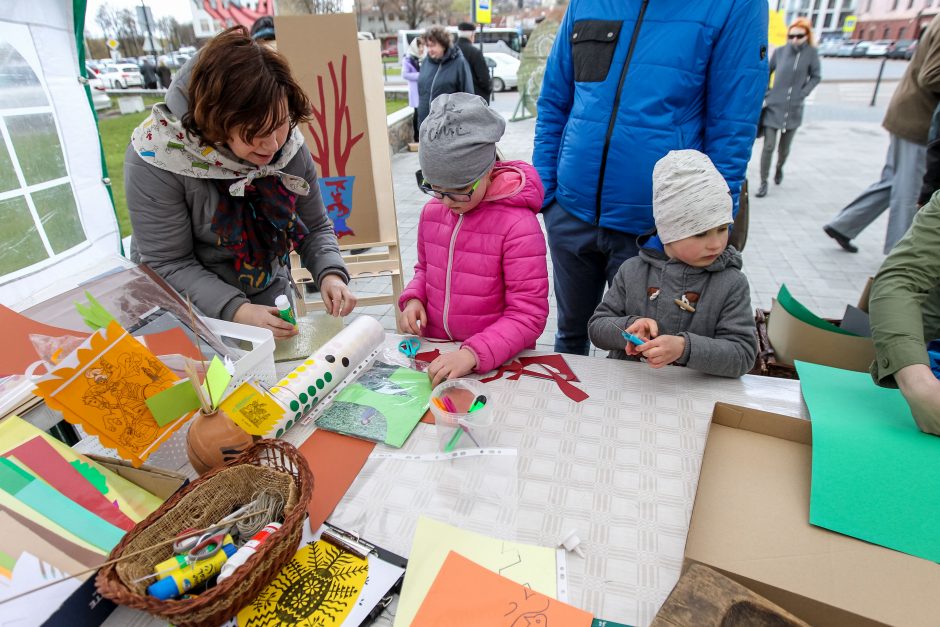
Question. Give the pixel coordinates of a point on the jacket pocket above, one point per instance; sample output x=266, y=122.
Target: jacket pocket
x=593, y=43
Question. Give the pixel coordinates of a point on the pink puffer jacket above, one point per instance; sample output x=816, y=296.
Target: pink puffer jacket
x=483, y=276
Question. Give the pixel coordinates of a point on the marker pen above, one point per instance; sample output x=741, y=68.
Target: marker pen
x=241, y=556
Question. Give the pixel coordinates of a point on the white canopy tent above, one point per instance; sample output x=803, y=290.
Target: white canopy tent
x=57, y=222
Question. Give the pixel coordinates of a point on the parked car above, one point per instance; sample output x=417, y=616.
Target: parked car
x=98, y=96
x=846, y=49
x=829, y=48
x=861, y=49
x=879, y=48
x=122, y=76
x=504, y=68
x=902, y=49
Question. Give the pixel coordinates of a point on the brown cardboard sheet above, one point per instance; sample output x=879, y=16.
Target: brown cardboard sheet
x=792, y=339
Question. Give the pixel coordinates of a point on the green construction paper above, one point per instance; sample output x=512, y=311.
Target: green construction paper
x=798, y=310
x=57, y=507
x=94, y=314
x=874, y=472
x=600, y=622
x=92, y=475
x=173, y=402
x=398, y=396
x=218, y=379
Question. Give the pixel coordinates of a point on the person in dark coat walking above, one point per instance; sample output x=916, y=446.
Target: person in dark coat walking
x=149, y=74
x=163, y=72
x=795, y=70
x=482, y=83
x=445, y=71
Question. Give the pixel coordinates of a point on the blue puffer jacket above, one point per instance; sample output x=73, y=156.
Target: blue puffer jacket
x=690, y=74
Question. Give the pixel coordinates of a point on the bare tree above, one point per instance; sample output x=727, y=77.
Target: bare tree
x=107, y=20
x=416, y=11
x=314, y=6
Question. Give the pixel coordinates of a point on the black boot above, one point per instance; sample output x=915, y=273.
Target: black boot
x=841, y=239
x=763, y=190
x=778, y=175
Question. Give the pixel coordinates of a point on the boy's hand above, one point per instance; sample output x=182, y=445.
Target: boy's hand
x=414, y=318
x=451, y=366
x=663, y=350
x=643, y=328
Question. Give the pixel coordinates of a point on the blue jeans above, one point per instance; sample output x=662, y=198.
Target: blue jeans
x=584, y=258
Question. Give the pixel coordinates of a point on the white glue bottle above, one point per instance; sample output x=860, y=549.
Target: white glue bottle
x=241, y=555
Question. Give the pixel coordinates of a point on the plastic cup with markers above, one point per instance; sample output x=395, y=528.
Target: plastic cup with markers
x=463, y=415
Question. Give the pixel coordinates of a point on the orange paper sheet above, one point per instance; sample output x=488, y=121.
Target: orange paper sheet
x=335, y=460
x=465, y=594
x=104, y=385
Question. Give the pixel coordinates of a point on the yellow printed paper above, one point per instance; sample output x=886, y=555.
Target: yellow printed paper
x=130, y=498
x=526, y=564
x=103, y=386
x=252, y=409
x=319, y=586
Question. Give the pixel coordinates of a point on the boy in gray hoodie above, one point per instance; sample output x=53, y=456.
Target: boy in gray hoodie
x=690, y=305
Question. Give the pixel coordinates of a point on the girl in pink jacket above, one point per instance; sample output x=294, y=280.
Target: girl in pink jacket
x=481, y=277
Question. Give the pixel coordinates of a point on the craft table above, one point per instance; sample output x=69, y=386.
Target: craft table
x=620, y=468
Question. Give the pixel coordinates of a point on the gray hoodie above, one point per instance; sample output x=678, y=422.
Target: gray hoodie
x=720, y=337
x=171, y=215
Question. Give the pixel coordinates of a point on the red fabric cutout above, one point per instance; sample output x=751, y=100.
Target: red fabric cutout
x=553, y=367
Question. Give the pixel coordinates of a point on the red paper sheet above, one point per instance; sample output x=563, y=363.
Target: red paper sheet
x=335, y=460
x=18, y=352
x=171, y=342
x=40, y=457
x=465, y=594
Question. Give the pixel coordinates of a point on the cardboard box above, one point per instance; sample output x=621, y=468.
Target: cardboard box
x=792, y=339
x=751, y=523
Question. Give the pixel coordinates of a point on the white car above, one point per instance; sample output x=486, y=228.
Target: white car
x=879, y=48
x=98, y=96
x=504, y=68
x=122, y=76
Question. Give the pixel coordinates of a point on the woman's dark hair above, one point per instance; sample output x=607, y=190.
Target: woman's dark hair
x=240, y=83
x=440, y=35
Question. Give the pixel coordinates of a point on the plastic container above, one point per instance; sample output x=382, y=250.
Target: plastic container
x=461, y=429
x=256, y=364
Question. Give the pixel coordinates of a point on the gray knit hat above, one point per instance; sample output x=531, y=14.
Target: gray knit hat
x=689, y=196
x=458, y=140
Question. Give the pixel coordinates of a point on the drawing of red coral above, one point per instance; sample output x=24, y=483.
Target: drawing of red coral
x=342, y=139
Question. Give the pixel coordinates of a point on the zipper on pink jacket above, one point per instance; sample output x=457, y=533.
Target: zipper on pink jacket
x=450, y=263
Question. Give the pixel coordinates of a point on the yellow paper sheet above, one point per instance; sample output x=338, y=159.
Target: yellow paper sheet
x=252, y=409
x=131, y=499
x=525, y=564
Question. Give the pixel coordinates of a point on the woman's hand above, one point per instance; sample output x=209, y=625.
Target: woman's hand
x=414, y=317
x=452, y=365
x=643, y=328
x=337, y=297
x=266, y=318
x=663, y=350
x=921, y=389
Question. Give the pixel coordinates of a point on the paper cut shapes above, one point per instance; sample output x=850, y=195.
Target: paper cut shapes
x=552, y=367
x=104, y=386
x=464, y=594
x=319, y=586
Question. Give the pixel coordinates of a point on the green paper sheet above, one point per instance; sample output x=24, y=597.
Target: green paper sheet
x=383, y=405
x=57, y=507
x=218, y=379
x=798, y=310
x=875, y=474
x=173, y=402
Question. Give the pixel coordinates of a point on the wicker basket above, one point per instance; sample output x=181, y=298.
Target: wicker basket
x=267, y=464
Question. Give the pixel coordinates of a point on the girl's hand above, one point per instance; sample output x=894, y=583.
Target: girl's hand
x=266, y=318
x=451, y=366
x=336, y=295
x=663, y=350
x=414, y=318
x=643, y=328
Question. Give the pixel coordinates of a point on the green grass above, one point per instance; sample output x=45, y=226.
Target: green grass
x=116, y=133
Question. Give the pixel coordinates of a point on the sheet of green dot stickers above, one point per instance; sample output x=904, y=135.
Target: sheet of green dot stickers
x=344, y=356
x=874, y=472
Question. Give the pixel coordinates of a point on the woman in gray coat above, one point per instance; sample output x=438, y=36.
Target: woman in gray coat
x=220, y=187
x=445, y=71
x=795, y=71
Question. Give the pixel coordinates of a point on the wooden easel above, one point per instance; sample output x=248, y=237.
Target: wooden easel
x=384, y=257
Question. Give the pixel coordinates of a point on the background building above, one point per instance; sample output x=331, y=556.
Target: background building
x=827, y=16
x=894, y=19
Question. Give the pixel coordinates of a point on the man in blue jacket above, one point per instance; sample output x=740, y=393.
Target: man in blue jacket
x=626, y=82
